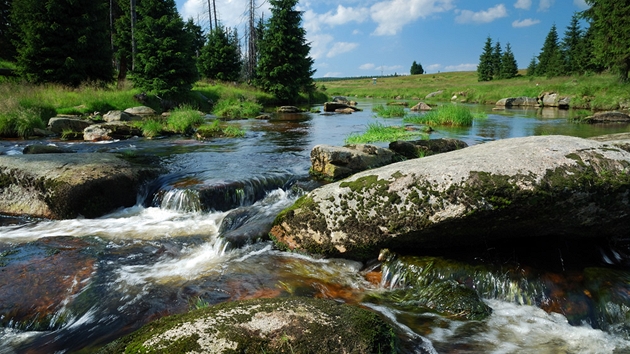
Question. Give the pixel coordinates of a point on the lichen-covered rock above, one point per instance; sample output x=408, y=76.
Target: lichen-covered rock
x=336, y=162
x=141, y=111
x=422, y=148
x=62, y=186
x=289, y=325
x=513, y=188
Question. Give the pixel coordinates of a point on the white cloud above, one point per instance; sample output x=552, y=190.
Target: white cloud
x=461, y=67
x=367, y=66
x=581, y=4
x=493, y=13
x=545, y=5
x=230, y=13
x=319, y=45
x=392, y=15
x=340, y=48
x=332, y=74
x=388, y=68
x=523, y=4
x=434, y=67
x=525, y=23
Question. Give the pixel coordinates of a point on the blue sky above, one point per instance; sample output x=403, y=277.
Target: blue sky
x=374, y=37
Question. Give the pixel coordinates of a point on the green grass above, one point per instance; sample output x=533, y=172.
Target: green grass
x=601, y=91
x=378, y=132
x=450, y=114
x=218, y=130
x=234, y=108
x=152, y=128
x=184, y=119
x=389, y=111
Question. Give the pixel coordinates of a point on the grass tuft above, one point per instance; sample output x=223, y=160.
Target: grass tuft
x=451, y=114
x=184, y=119
x=234, y=108
x=389, y=111
x=218, y=130
x=378, y=132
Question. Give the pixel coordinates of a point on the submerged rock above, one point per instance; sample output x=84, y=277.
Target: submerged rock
x=336, y=162
x=289, y=325
x=507, y=189
x=64, y=186
x=45, y=149
x=334, y=106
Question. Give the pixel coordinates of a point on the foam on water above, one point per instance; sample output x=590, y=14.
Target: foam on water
x=131, y=223
x=516, y=328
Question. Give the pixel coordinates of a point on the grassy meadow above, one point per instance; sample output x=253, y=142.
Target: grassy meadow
x=597, y=92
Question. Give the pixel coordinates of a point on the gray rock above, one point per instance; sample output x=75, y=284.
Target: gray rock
x=60, y=124
x=96, y=132
x=117, y=116
x=423, y=148
x=141, y=111
x=110, y=131
x=553, y=99
x=608, y=117
x=517, y=102
x=334, y=106
x=433, y=94
x=64, y=186
x=289, y=109
x=45, y=149
x=286, y=325
x=514, y=188
x=336, y=162
x=421, y=106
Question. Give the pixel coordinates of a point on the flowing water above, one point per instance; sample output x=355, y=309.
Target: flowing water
x=194, y=239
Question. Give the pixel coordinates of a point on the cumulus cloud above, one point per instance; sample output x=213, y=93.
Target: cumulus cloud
x=340, y=48
x=392, y=15
x=486, y=16
x=319, y=45
x=525, y=23
x=332, y=74
x=367, y=66
x=461, y=67
x=581, y=4
x=434, y=67
x=545, y=5
x=523, y=4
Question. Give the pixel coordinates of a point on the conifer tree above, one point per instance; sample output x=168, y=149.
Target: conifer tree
x=284, y=65
x=610, y=20
x=416, y=69
x=6, y=39
x=572, y=47
x=198, y=39
x=220, y=59
x=485, y=68
x=62, y=41
x=509, y=67
x=165, y=63
x=550, y=60
x=531, y=68
x=497, y=55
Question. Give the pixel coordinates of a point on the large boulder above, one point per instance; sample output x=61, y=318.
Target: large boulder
x=110, y=131
x=553, y=99
x=517, y=102
x=141, y=111
x=62, y=124
x=64, y=186
x=118, y=116
x=289, y=325
x=336, y=162
x=422, y=148
x=608, y=117
x=334, y=106
x=508, y=189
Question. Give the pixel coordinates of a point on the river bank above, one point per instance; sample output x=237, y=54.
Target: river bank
x=595, y=92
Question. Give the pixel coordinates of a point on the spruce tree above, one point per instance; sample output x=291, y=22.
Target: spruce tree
x=485, y=68
x=198, y=39
x=497, y=55
x=610, y=20
x=164, y=63
x=532, y=67
x=550, y=60
x=6, y=38
x=219, y=58
x=284, y=65
x=509, y=67
x=572, y=46
x=62, y=41
x=416, y=69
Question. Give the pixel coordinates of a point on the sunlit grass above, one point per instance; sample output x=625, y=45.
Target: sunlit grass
x=389, y=111
x=450, y=114
x=378, y=132
x=184, y=119
x=233, y=108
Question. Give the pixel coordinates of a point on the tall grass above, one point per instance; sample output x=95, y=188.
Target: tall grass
x=233, y=108
x=378, y=132
x=389, y=111
x=184, y=119
x=218, y=130
x=450, y=114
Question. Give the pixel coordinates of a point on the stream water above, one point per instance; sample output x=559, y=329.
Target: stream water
x=191, y=240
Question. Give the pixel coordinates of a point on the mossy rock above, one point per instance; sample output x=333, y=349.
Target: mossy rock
x=285, y=325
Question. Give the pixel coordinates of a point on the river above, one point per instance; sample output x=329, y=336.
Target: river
x=77, y=284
